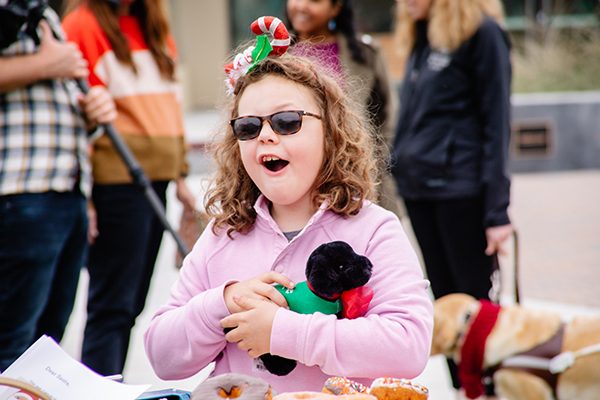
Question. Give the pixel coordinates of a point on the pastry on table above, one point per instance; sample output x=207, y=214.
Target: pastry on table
x=338, y=385
x=233, y=386
x=398, y=389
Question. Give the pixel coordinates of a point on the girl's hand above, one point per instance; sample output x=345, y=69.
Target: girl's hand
x=99, y=106
x=259, y=288
x=252, y=326
x=496, y=236
x=184, y=195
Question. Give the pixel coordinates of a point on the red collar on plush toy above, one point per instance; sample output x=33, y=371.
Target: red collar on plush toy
x=355, y=302
x=470, y=369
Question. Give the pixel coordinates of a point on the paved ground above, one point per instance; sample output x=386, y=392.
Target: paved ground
x=558, y=219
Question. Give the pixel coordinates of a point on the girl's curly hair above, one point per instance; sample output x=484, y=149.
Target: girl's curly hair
x=347, y=176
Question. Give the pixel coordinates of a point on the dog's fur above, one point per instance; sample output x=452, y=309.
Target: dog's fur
x=517, y=330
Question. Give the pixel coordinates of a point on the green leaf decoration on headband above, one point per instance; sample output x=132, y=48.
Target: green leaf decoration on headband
x=261, y=51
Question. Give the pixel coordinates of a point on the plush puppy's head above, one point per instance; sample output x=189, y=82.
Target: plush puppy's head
x=334, y=267
x=450, y=318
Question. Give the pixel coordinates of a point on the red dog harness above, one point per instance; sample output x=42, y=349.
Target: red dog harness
x=546, y=350
x=470, y=369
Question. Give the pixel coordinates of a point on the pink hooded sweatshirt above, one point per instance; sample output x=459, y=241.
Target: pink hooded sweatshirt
x=392, y=339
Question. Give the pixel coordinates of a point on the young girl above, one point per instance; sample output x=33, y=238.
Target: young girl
x=295, y=170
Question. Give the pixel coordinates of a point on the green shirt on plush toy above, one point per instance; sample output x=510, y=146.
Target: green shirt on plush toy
x=336, y=272
x=303, y=301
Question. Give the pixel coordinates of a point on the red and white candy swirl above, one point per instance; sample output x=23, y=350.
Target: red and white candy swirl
x=242, y=62
x=276, y=29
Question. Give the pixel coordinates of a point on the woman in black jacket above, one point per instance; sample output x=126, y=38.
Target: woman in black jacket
x=452, y=138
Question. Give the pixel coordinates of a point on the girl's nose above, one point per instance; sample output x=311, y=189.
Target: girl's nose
x=266, y=134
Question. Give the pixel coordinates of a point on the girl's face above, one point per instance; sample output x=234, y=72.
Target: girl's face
x=417, y=9
x=284, y=168
x=310, y=17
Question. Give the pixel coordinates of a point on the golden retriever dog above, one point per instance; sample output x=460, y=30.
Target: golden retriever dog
x=518, y=330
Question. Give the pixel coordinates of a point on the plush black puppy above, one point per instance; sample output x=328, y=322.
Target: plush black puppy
x=335, y=279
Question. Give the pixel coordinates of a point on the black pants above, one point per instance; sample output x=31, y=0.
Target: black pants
x=452, y=239
x=121, y=262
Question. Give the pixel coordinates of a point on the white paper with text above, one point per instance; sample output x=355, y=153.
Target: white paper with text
x=48, y=367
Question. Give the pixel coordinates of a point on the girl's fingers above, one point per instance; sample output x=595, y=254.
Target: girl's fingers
x=242, y=345
x=233, y=336
x=269, y=292
x=276, y=277
x=260, y=288
x=230, y=321
x=248, y=303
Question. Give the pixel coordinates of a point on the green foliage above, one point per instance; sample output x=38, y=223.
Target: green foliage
x=566, y=61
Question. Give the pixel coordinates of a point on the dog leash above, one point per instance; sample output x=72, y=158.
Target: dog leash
x=565, y=360
x=496, y=290
x=556, y=364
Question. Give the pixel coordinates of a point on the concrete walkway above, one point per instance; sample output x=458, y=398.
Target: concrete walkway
x=558, y=219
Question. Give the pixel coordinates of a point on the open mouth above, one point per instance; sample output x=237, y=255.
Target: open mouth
x=273, y=163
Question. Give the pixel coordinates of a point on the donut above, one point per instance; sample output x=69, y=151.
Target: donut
x=398, y=389
x=338, y=385
x=322, y=396
x=233, y=386
x=276, y=29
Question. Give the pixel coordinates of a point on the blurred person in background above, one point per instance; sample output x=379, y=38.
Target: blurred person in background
x=44, y=178
x=130, y=51
x=325, y=30
x=452, y=139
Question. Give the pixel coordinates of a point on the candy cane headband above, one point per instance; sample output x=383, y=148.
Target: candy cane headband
x=251, y=56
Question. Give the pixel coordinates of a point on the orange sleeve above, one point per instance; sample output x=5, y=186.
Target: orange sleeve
x=82, y=28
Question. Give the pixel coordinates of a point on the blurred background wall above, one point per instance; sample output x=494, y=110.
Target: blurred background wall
x=207, y=30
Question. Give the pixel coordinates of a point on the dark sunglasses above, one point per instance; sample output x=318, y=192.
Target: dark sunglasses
x=283, y=123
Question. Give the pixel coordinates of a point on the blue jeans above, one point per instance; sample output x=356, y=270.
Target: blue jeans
x=42, y=247
x=120, y=264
